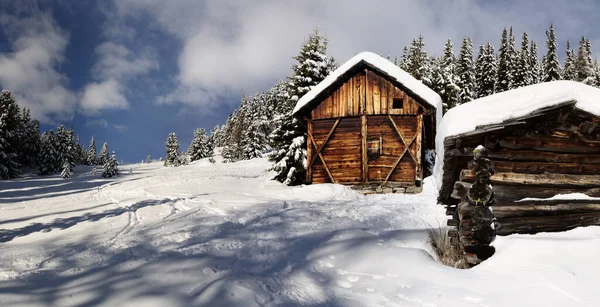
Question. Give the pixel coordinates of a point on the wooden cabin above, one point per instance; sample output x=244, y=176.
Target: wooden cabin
x=543, y=140
x=369, y=125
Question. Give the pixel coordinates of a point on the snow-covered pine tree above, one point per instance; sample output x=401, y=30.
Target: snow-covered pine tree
x=66, y=170
x=550, y=63
x=522, y=75
x=172, y=149
x=9, y=167
x=64, y=146
x=417, y=60
x=200, y=146
x=148, y=159
x=30, y=143
x=110, y=168
x=534, y=63
x=255, y=136
x=485, y=71
x=503, y=74
x=584, y=69
x=92, y=158
x=444, y=79
x=48, y=157
x=403, y=62
x=596, y=73
x=513, y=59
x=466, y=71
x=288, y=140
x=104, y=154
x=569, y=72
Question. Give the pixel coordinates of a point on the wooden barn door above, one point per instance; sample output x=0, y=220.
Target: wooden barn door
x=394, y=148
x=334, y=153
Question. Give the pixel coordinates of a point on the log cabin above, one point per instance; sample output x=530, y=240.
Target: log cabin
x=369, y=125
x=543, y=140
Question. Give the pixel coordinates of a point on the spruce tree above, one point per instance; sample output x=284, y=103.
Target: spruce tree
x=444, y=79
x=534, y=63
x=550, y=63
x=504, y=64
x=485, y=71
x=522, y=76
x=417, y=60
x=65, y=146
x=110, y=168
x=48, y=157
x=172, y=149
x=66, y=170
x=92, y=158
x=513, y=59
x=148, y=159
x=104, y=154
x=584, y=70
x=9, y=167
x=200, y=147
x=466, y=71
x=569, y=72
x=288, y=140
x=30, y=143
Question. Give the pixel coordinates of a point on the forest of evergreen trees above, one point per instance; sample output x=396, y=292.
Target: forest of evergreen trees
x=263, y=122
x=22, y=146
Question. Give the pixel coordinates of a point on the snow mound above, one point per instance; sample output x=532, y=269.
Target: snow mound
x=497, y=108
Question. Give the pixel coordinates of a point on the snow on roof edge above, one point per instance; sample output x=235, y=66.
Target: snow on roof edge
x=387, y=67
x=500, y=107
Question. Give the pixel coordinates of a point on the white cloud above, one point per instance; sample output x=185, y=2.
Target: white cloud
x=97, y=122
x=30, y=70
x=120, y=127
x=98, y=96
x=238, y=46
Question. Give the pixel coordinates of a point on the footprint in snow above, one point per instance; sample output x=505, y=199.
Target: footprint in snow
x=344, y=284
x=353, y=278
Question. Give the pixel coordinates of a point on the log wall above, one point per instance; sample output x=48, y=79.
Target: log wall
x=531, y=162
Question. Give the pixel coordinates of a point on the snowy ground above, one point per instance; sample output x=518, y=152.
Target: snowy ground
x=224, y=235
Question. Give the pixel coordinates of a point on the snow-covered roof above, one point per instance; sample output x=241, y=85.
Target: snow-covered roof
x=386, y=67
x=513, y=104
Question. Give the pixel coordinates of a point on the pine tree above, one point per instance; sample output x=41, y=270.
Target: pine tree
x=104, y=154
x=8, y=128
x=148, y=159
x=466, y=71
x=65, y=146
x=288, y=140
x=444, y=79
x=569, y=72
x=403, y=62
x=596, y=73
x=584, y=70
x=417, y=60
x=48, y=157
x=92, y=158
x=200, y=147
x=172, y=149
x=110, y=168
x=30, y=142
x=503, y=74
x=513, y=59
x=522, y=76
x=550, y=63
x=534, y=63
x=66, y=170
x=485, y=71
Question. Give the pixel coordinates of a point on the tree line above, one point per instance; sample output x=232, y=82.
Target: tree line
x=22, y=145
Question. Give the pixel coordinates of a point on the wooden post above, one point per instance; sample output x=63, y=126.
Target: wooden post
x=365, y=160
x=419, y=154
x=309, y=149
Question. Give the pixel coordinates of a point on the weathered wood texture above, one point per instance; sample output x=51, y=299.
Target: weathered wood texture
x=535, y=157
x=369, y=90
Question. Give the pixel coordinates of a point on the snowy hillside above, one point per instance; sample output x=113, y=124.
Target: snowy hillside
x=225, y=235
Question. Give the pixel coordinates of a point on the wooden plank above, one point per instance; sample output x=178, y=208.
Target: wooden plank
x=363, y=137
x=546, y=167
x=551, y=144
x=385, y=85
x=418, y=141
x=402, y=138
x=356, y=96
x=547, y=180
x=510, y=193
x=400, y=158
x=551, y=223
x=376, y=95
x=541, y=208
x=351, y=96
x=369, y=93
x=532, y=155
x=309, y=152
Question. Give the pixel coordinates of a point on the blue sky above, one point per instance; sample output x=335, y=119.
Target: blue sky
x=129, y=72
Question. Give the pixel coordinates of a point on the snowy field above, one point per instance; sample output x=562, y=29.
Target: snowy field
x=225, y=235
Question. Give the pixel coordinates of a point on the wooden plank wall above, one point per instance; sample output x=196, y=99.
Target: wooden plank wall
x=541, y=167
x=370, y=90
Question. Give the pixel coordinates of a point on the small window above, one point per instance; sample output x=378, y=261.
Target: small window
x=397, y=103
x=374, y=147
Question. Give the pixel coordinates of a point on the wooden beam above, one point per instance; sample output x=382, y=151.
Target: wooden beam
x=322, y=160
x=547, y=180
x=546, y=167
x=365, y=159
x=418, y=141
x=509, y=193
x=309, y=151
x=549, y=223
x=531, y=156
x=320, y=148
x=562, y=145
